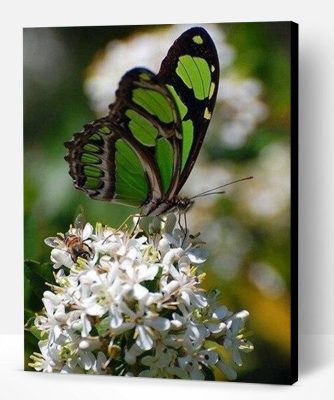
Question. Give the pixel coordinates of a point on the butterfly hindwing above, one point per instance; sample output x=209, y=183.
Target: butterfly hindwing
x=93, y=155
x=133, y=155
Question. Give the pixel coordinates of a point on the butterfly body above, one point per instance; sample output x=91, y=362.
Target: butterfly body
x=162, y=206
x=143, y=151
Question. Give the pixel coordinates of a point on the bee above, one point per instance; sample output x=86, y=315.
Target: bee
x=73, y=242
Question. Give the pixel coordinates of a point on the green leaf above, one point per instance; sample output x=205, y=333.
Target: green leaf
x=37, y=274
x=31, y=327
x=28, y=315
x=103, y=326
x=37, y=333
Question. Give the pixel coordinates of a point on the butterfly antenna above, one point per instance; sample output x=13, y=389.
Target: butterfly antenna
x=208, y=194
x=213, y=190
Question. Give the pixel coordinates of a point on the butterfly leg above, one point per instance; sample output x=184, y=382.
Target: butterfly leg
x=131, y=216
x=119, y=228
x=137, y=223
x=185, y=222
x=183, y=228
x=179, y=221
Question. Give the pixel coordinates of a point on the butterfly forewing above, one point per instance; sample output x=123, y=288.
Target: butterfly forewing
x=191, y=72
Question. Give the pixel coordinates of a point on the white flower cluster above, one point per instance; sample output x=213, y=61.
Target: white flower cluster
x=131, y=303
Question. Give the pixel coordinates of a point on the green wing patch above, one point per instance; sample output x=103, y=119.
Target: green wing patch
x=154, y=103
x=164, y=157
x=196, y=75
x=188, y=138
x=141, y=128
x=131, y=186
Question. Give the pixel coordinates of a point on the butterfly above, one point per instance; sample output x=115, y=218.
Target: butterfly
x=143, y=151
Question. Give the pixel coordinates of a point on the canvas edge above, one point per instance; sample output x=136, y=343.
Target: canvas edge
x=294, y=202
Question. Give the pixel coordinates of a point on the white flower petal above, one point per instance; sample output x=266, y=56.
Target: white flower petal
x=86, y=360
x=227, y=370
x=236, y=357
x=116, y=319
x=139, y=291
x=208, y=357
x=197, y=255
x=144, y=340
x=57, y=331
x=51, y=297
x=100, y=361
x=132, y=354
x=86, y=325
x=163, y=246
x=159, y=323
x=221, y=312
x=197, y=374
x=87, y=231
x=199, y=300
x=171, y=287
x=153, y=298
x=146, y=273
x=96, y=310
x=172, y=256
x=132, y=254
x=61, y=258
x=185, y=297
x=215, y=327
x=176, y=324
x=125, y=326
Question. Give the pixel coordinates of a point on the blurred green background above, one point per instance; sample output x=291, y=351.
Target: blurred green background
x=66, y=84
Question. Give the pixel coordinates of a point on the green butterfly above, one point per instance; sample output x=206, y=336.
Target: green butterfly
x=143, y=151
